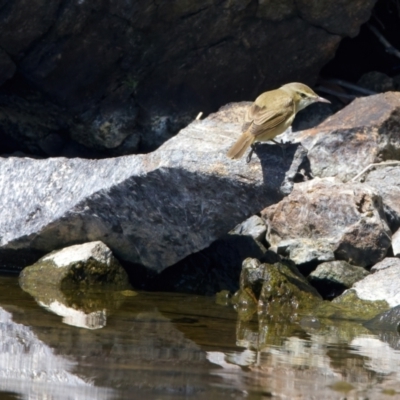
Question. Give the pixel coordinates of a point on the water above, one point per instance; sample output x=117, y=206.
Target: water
x=175, y=346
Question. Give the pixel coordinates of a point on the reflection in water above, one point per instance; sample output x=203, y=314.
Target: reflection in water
x=174, y=346
x=31, y=368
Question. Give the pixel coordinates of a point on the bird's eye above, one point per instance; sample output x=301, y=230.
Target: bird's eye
x=303, y=95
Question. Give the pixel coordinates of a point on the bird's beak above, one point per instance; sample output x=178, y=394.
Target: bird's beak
x=322, y=100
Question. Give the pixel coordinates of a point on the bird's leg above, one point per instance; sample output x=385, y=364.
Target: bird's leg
x=283, y=146
x=253, y=147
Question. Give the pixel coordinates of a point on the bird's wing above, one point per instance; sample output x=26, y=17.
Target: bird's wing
x=262, y=118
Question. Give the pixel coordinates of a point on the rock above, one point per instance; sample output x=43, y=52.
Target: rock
x=82, y=265
x=106, y=63
x=278, y=291
x=7, y=67
x=152, y=210
x=366, y=131
x=346, y=218
x=302, y=251
x=209, y=271
x=253, y=226
x=332, y=278
x=396, y=244
x=386, y=321
x=386, y=181
x=381, y=285
x=377, y=81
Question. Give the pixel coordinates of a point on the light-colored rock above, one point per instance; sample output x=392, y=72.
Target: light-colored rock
x=386, y=180
x=337, y=273
x=152, y=209
x=396, y=244
x=253, y=226
x=382, y=285
x=80, y=253
x=347, y=218
x=304, y=250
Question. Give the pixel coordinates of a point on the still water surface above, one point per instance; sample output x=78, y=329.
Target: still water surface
x=175, y=346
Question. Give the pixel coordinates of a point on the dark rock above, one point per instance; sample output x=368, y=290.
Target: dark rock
x=209, y=271
x=366, y=131
x=386, y=321
x=146, y=69
x=152, y=210
x=377, y=81
x=333, y=278
x=348, y=219
x=7, y=67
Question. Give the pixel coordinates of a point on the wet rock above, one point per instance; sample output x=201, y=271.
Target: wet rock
x=253, y=226
x=332, y=278
x=106, y=63
x=386, y=321
x=347, y=218
x=396, y=244
x=377, y=81
x=364, y=132
x=386, y=181
x=86, y=265
x=278, y=291
x=381, y=285
x=152, y=210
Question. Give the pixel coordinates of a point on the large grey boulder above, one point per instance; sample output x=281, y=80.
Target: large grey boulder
x=325, y=216
x=150, y=209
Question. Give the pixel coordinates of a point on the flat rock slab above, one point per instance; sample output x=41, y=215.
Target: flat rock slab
x=150, y=209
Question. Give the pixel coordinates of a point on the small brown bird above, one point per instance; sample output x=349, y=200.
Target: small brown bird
x=271, y=114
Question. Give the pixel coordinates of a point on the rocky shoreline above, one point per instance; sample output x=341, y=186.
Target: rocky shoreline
x=325, y=208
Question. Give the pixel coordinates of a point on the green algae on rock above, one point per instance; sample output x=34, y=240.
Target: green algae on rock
x=87, y=265
x=277, y=290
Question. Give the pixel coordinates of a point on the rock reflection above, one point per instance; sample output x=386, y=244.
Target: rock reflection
x=322, y=358
x=78, y=318
x=81, y=308
x=33, y=369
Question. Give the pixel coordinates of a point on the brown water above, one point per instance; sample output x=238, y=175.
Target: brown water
x=175, y=346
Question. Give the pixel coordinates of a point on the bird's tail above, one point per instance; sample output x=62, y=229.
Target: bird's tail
x=241, y=145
